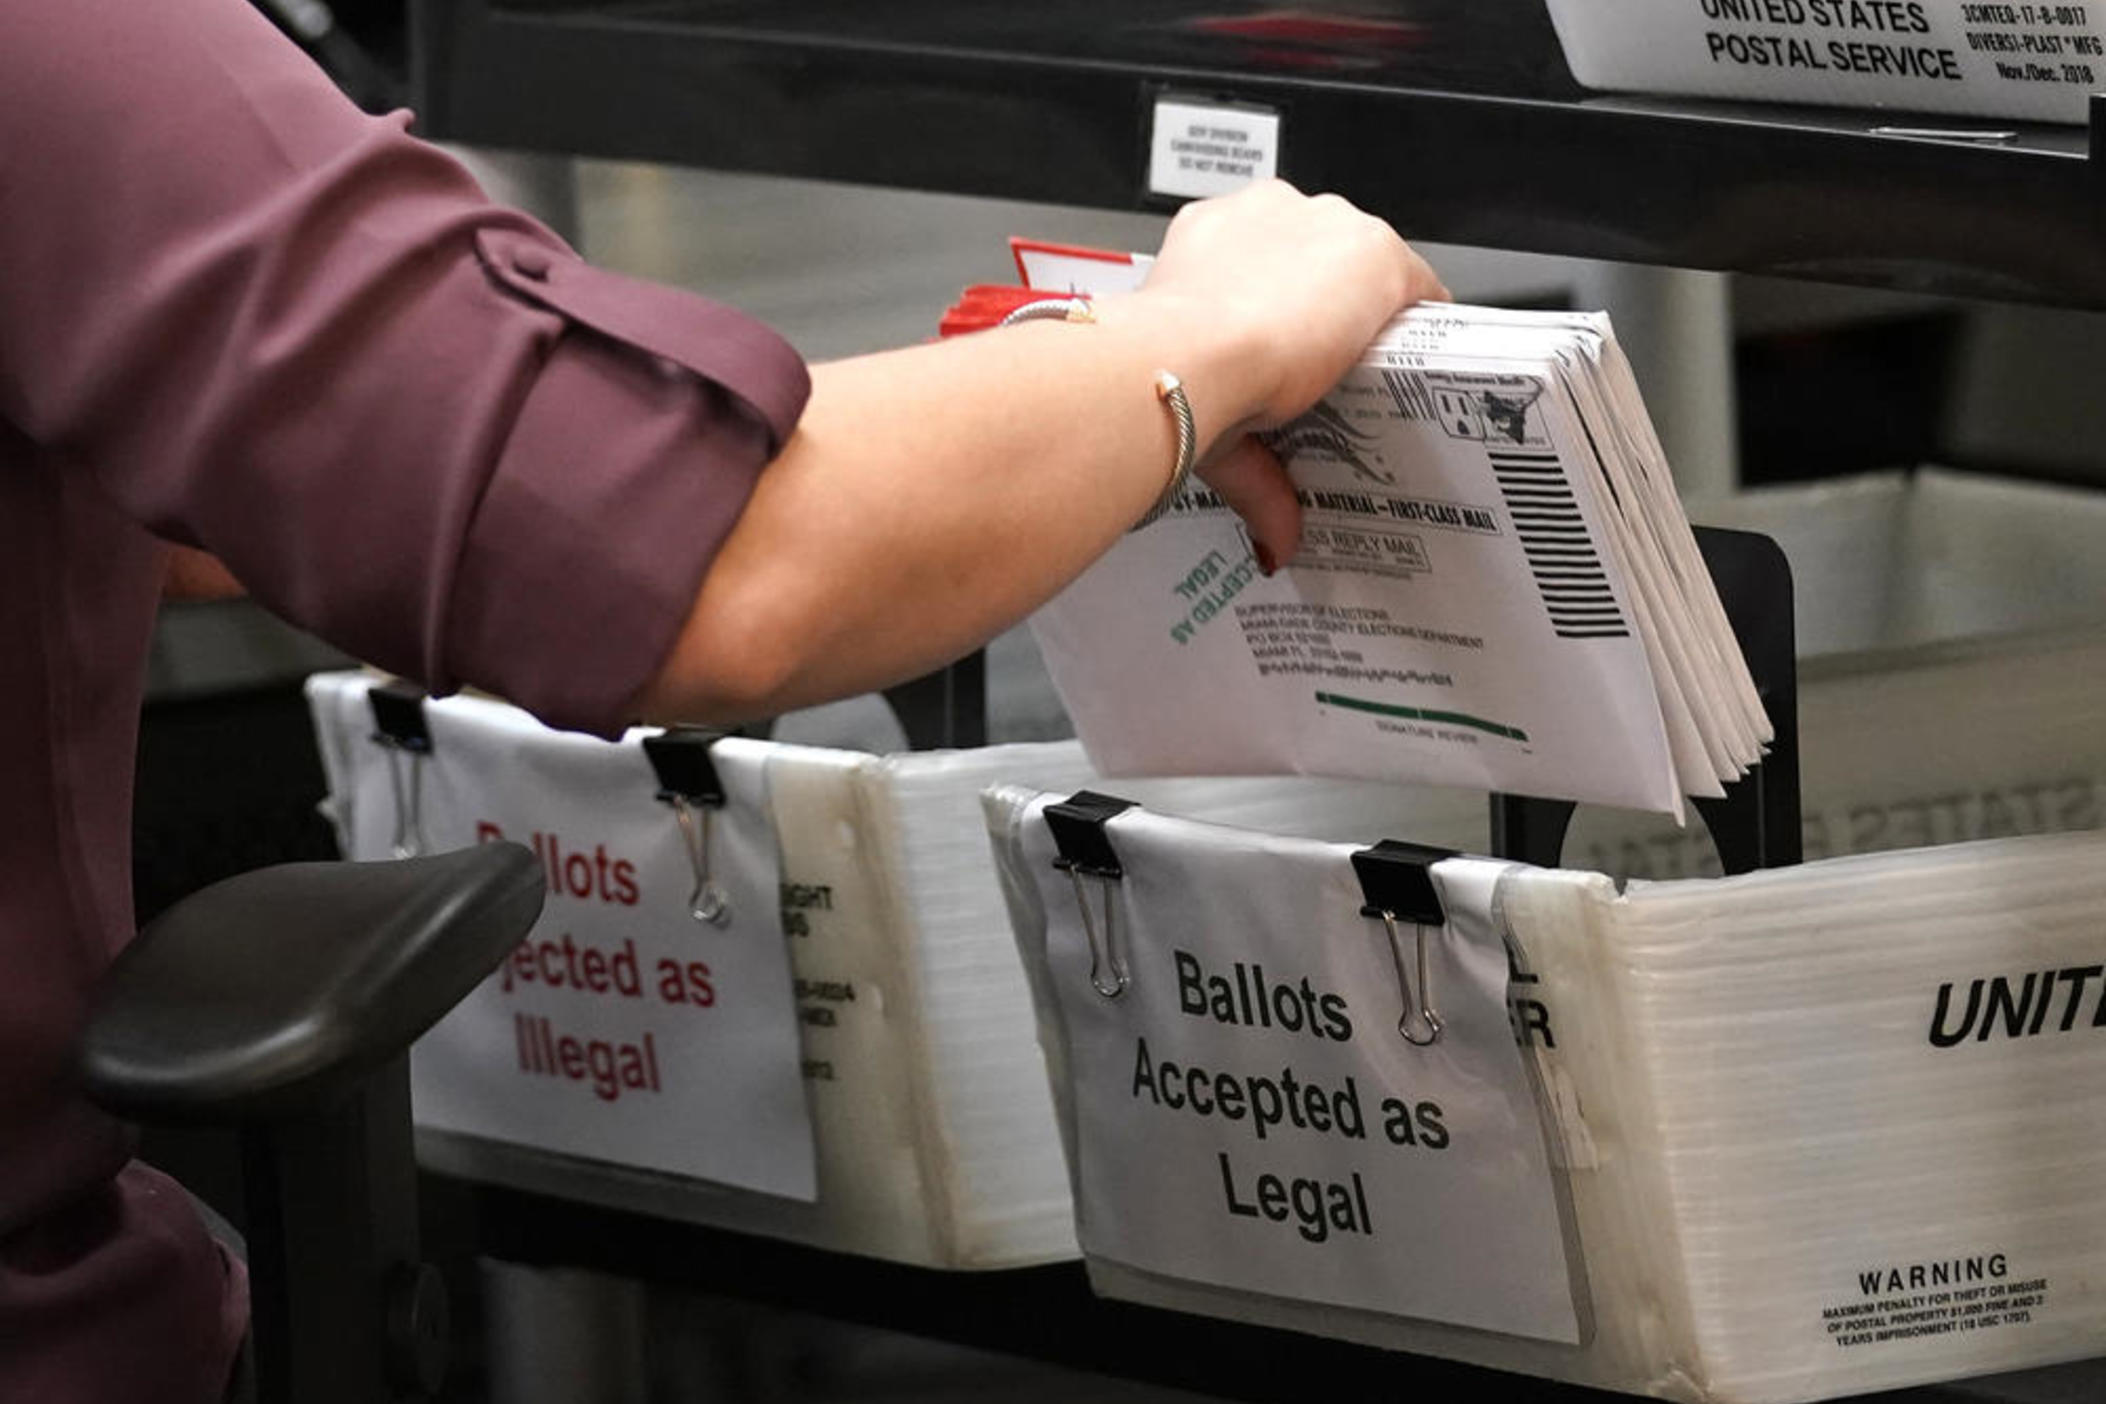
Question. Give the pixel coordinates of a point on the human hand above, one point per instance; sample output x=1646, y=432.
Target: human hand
x=1287, y=289
x=1275, y=295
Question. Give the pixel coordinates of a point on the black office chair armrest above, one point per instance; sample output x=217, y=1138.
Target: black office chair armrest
x=285, y=988
x=284, y=1001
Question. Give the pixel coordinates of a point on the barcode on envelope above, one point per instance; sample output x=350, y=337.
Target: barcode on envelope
x=1412, y=395
x=1560, y=549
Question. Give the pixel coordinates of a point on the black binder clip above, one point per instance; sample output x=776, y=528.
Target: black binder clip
x=1085, y=851
x=401, y=731
x=688, y=781
x=1396, y=879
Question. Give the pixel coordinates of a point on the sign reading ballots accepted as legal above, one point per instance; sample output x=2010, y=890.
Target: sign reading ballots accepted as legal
x=1247, y=1113
x=623, y=1029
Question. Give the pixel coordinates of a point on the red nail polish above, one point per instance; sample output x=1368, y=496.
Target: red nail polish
x=1266, y=565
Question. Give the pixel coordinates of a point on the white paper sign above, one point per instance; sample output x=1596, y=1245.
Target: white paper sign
x=1200, y=150
x=2038, y=61
x=1247, y=1113
x=622, y=1029
x=1062, y=268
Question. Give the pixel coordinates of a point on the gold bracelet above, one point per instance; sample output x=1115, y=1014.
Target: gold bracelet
x=1168, y=388
x=1171, y=391
x=1065, y=309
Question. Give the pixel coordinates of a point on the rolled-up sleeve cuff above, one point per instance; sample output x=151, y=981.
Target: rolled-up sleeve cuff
x=628, y=463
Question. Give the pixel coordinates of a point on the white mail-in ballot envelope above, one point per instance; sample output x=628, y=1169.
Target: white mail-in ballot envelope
x=1417, y=636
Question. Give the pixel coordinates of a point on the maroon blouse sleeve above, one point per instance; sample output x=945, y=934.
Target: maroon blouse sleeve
x=408, y=419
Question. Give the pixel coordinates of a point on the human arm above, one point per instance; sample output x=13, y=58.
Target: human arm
x=932, y=496
x=270, y=327
x=194, y=576
x=258, y=322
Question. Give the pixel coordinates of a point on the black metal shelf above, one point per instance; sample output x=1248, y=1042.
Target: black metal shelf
x=1047, y=1313
x=1458, y=122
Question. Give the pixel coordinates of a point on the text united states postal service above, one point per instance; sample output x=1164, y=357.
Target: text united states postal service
x=1990, y=58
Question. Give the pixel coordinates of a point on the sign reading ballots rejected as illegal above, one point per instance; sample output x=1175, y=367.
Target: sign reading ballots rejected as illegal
x=623, y=1029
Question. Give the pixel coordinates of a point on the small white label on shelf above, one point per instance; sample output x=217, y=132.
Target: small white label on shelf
x=1199, y=150
x=1248, y=1112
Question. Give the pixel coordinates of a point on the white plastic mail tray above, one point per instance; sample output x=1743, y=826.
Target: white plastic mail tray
x=1912, y=590
x=932, y=1125
x=1822, y=1130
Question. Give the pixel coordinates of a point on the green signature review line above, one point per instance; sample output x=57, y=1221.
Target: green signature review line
x=1425, y=714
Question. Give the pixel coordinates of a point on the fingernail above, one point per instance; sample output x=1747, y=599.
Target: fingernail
x=1266, y=565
